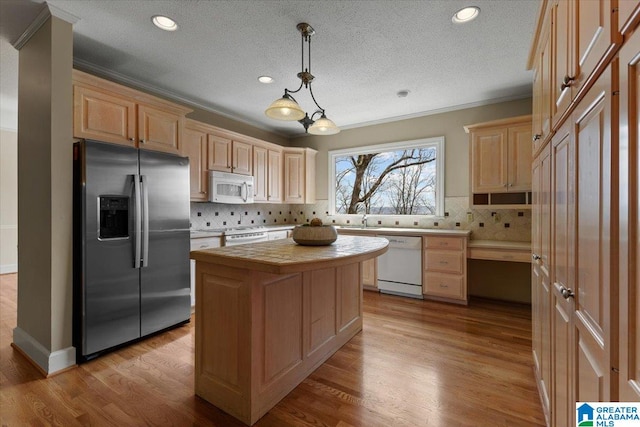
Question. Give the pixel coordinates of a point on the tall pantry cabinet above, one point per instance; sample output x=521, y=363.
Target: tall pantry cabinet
x=586, y=326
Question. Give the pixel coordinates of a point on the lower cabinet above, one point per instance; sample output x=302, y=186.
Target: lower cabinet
x=370, y=274
x=445, y=268
x=197, y=244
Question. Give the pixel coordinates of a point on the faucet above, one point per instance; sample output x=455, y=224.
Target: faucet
x=364, y=220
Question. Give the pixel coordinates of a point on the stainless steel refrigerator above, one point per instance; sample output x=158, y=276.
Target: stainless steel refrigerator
x=131, y=245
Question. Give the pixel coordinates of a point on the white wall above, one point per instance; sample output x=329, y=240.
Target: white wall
x=8, y=201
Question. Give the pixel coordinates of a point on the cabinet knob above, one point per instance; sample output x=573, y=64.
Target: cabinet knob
x=537, y=137
x=132, y=139
x=566, y=82
x=141, y=141
x=536, y=257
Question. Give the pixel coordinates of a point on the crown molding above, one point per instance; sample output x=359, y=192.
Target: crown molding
x=170, y=95
x=47, y=11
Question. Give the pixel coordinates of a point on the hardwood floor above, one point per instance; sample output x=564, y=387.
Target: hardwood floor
x=416, y=363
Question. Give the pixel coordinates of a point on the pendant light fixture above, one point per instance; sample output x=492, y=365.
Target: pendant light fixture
x=287, y=108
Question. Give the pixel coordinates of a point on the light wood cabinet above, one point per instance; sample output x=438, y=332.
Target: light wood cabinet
x=106, y=111
x=540, y=276
x=267, y=174
x=219, y=157
x=195, y=147
x=541, y=108
x=370, y=274
x=226, y=154
x=593, y=178
x=299, y=175
x=629, y=249
x=444, y=275
x=500, y=157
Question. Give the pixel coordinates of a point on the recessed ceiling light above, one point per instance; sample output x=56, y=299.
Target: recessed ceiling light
x=465, y=15
x=402, y=93
x=265, y=79
x=164, y=23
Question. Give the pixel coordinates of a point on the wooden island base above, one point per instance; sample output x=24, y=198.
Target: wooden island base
x=264, y=324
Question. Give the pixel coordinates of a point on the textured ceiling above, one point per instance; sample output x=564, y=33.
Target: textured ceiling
x=363, y=53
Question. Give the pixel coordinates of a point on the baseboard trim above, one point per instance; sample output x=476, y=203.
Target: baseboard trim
x=8, y=268
x=48, y=363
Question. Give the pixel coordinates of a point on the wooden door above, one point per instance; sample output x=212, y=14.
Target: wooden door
x=195, y=147
x=104, y=117
x=519, y=158
x=629, y=299
x=219, y=153
x=562, y=405
x=274, y=172
x=242, y=158
x=593, y=279
x=260, y=178
x=158, y=130
x=540, y=284
x=293, y=178
x=489, y=160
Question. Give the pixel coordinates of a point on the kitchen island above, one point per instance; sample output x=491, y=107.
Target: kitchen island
x=268, y=314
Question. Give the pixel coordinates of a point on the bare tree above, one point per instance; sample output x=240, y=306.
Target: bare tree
x=408, y=188
x=367, y=183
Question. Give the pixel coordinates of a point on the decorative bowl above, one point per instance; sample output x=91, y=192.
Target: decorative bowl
x=319, y=235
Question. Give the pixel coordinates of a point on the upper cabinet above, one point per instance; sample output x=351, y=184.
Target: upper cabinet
x=109, y=112
x=267, y=173
x=228, y=154
x=500, y=157
x=299, y=175
x=195, y=147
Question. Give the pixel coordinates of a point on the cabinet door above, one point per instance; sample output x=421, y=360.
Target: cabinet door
x=628, y=15
x=158, y=130
x=104, y=117
x=293, y=178
x=274, y=172
x=592, y=36
x=629, y=299
x=195, y=147
x=260, y=178
x=562, y=407
x=541, y=297
x=519, y=158
x=593, y=277
x=219, y=152
x=489, y=160
x=369, y=277
x=242, y=158
x=563, y=67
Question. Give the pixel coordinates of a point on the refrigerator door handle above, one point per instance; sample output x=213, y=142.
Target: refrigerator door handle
x=145, y=220
x=137, y=221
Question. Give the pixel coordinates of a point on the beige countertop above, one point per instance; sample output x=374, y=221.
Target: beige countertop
x=403, y=231
x=285, y=256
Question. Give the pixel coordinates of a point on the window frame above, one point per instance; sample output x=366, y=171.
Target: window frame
x=437, y=142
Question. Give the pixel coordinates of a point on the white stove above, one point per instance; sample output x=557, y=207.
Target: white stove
x=243, y=235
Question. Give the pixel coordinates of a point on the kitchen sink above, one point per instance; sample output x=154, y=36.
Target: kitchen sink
x=357, y=227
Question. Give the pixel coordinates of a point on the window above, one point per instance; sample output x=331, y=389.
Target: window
x=399, y=178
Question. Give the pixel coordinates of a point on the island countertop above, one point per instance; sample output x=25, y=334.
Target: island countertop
x=285, y=256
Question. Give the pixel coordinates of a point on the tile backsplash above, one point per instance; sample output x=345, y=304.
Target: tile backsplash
x=485, y=224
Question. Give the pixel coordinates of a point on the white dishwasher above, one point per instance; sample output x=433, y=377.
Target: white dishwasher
x=400, y=268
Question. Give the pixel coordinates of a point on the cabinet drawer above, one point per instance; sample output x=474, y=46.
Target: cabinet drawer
x=500, y=254
x=453, y=243
x=444, y=261
x=446, y=285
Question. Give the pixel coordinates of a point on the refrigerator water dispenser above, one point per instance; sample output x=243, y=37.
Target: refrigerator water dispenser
x=114, y=217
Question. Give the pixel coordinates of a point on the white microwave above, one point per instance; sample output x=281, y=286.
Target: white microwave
x=230, y=188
